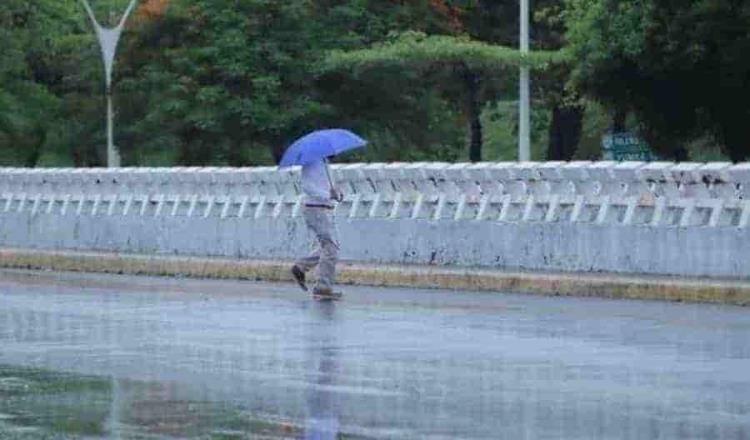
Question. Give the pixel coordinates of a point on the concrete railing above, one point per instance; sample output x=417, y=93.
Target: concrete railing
x=657, y=218
x=628, y=193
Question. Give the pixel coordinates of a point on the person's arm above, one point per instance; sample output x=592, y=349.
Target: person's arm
x=335, y=193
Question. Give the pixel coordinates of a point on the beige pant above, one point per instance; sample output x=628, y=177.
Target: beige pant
x=325, y=254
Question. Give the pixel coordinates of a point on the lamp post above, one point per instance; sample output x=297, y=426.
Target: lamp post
x=524, y=122
x=108, y=39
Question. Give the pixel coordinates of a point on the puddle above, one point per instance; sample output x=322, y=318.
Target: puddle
x=39, y=404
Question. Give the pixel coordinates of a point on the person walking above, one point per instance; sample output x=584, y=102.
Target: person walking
x=312, y=152
x=320, y=197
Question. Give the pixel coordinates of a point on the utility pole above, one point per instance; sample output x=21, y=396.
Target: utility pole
x=524, y=118
x=108, y=39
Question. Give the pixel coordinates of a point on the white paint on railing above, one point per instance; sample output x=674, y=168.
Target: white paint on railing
x=652, y=194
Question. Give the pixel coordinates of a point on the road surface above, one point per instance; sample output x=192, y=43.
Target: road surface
x=100, y=356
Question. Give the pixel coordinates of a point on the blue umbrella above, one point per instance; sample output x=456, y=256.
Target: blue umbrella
x=320, y=144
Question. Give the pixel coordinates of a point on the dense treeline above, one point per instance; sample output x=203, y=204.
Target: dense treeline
x=232, y=82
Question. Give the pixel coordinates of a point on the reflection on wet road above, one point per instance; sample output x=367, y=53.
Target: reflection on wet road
x=95, y=356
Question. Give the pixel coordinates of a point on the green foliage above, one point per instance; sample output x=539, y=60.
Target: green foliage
x=500, y=120
x=454, y=60
x=213, y=82
x=35, y=37
x=596, y=123
x=232, y=82
x=417, y=49
x=427, y=129
x=680, y=67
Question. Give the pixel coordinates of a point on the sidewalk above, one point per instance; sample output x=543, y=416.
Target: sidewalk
x=468, y=279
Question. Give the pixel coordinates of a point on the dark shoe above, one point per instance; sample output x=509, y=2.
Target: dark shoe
x=299, y=276
x=326, y=294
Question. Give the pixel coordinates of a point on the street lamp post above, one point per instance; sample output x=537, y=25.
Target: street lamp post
x=524, y=122
x=108, y=39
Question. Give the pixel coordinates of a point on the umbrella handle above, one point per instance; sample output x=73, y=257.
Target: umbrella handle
x=328, y=174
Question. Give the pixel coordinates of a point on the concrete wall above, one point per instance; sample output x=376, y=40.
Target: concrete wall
x=658, y=218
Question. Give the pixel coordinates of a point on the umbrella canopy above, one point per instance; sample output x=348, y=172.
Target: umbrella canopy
x=320, y=144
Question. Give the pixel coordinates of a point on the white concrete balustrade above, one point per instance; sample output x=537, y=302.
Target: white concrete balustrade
x=687, y=219
x=627, y=193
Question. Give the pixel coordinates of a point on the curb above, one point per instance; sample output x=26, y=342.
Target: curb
x=616, y=286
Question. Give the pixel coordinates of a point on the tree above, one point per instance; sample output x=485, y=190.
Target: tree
x=457, y=59
x=498, y=23
x=221, y=80
x=404, y=116
x=233, y=82
x=30, y=35
x=680, y=67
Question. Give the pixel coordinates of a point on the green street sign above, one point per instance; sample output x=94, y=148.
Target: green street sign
x=625, y=147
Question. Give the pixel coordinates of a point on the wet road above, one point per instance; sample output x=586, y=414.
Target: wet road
x=225, y=359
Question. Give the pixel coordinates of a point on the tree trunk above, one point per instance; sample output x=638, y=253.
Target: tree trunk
x=186, y=155
x=77, y=158
x=681, y=154
x=473, y=107
x=235, y=158
x=735, y=143
x=564, y=132
x=38, y=139
x=277, y=151
x=618, y=120
x=278, y=143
